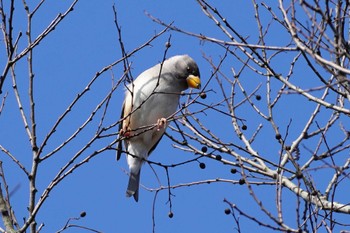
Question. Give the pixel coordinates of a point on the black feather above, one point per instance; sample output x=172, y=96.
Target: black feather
x=120, y=146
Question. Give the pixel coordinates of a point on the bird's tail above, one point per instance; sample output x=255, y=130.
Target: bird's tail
x=135, y=160
x=133, y=186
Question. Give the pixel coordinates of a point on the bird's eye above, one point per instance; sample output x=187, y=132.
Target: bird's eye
x=188, y=68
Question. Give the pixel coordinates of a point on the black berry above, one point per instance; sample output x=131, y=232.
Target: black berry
x=170, y=214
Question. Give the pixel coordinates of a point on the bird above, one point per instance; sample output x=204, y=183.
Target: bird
x=149, y=100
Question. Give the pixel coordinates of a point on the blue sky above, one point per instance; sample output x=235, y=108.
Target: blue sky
x=84, y=43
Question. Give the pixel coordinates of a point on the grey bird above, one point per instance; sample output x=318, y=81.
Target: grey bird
x=149, y=100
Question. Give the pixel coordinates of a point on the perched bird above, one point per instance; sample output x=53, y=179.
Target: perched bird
x=149, y=100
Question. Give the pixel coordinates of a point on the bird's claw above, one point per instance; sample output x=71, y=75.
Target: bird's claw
x=161, y=123
x=124, y=133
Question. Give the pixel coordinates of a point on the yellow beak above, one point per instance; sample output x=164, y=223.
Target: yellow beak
x=193, y=81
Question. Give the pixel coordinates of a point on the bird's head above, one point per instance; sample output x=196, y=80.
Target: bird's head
x=187, y=71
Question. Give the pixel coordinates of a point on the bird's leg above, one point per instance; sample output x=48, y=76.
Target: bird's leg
x=161, y=123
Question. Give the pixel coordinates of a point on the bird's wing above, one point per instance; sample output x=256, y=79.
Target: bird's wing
x=155, y=145
x=125, y=124
x=119, y=146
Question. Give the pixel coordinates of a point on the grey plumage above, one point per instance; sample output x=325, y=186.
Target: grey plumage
x=149, y=100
